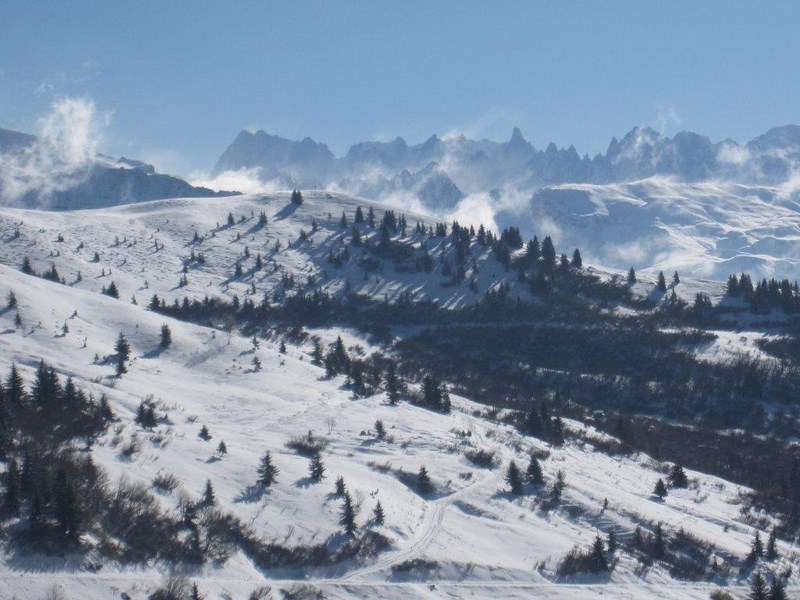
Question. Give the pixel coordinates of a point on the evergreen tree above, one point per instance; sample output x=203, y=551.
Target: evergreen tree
x=424, y=483
x=112, y=290
x=231, y=221
x=377, y=514
x=534, y=472
x=558, y=487
x=772, y=547
x=341, y=488
x=359, y=218
x=631, y=276
x=11, y=303
x=757, y=549
x=577, y=260
x=758, y=587
x=123, y=350
x=676, y=278
x=677, y=477
x=347, y=518
x=598, y=558
x=549, y=253
x=195, y=594
x=316, y=469
x=267, y=471
x=297, y=197
x=222, y=448
x=208, y=494
x=659, y=543
x=514, y=479
x=392, y=384
x=380, y=429
x=660, y=489
x=166, y=336
x=662, y=283
x=15, y=387
x=776, y=590
x=204, y=434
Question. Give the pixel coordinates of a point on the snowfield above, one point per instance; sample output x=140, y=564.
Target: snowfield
x=479, y=541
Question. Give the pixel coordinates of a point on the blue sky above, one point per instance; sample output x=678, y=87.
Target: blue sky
x=182, y=78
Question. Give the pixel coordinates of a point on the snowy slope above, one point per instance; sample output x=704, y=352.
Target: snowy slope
x=469, y=530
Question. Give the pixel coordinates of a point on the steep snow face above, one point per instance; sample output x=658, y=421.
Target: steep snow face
x=478, y=540
x=707, y=230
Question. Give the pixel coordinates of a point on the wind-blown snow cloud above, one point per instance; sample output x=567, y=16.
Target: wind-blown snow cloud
x=66, y=145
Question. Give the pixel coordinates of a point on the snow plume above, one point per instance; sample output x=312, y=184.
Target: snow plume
x=59, y=158
x=245, y=180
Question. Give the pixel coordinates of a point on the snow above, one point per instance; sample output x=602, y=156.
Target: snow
x=486, y=543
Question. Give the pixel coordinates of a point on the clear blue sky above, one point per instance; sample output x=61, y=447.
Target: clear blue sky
x=182, y=78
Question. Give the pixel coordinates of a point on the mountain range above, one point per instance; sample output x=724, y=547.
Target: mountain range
x=440, y=171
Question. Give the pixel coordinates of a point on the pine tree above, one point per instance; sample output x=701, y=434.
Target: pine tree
x=208, y=494
x=377, y=514
x=204, y=434
x=758, y=587
x=392, y=385
x=15, y=387
x=166, y=336
x=631, y=276
x=660, y=489
x=677, y=477
x=359, y=218
x=11, y=303
x=195, y=595
x=123, y=350
x=341, y=488
x=424, y=483
x=514, y=479
x=534, y=472
x=231, y=221
x=558, y=486
x=267, y=471
x=772, y=547
x=380, y=430
x=676, y=278
x=549, y=253
x=297, y=197
x=599, y=562
x=659, y=543
x=776, y=590
x=347, y=518
x=316, y=469
x=112, y=290
x=577, y=260
x=661, y=285
x=757, y=549
x=222, y=448
x=256, y=362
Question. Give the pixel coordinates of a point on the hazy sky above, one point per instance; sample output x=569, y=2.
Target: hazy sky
x=182, y=78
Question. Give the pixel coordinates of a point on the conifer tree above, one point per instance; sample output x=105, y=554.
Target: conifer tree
x=359, y=218
x=316, y=469
x=534, y=472
x=631, y=276
x=341, y=488
x=677, y=477
x=771, y=553
x=514, y=479
x=757, y=549
x=612, y=542
x=661, y=285
x=377, y=514
x=15, y=387
x=222, y=448
x=660, y=489
x=11, y=302
x=758, y=587
x=776, y=590
x=267, y=471
x=123, y=350
x=599, y=562
x=347, y=518
x=166, y=336
x=676, y=278
x=577, y=260
x=297, y=197
x=195, y=594
x=204, y=434
x=424, y=483
x=67, y=507
x=380, y=429
x=208, y=494
x=558, y=486
x=659, y=543
x=549, y=253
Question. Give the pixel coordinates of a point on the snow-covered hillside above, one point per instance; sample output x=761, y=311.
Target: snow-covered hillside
x=470, y=538
x=708, y=229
